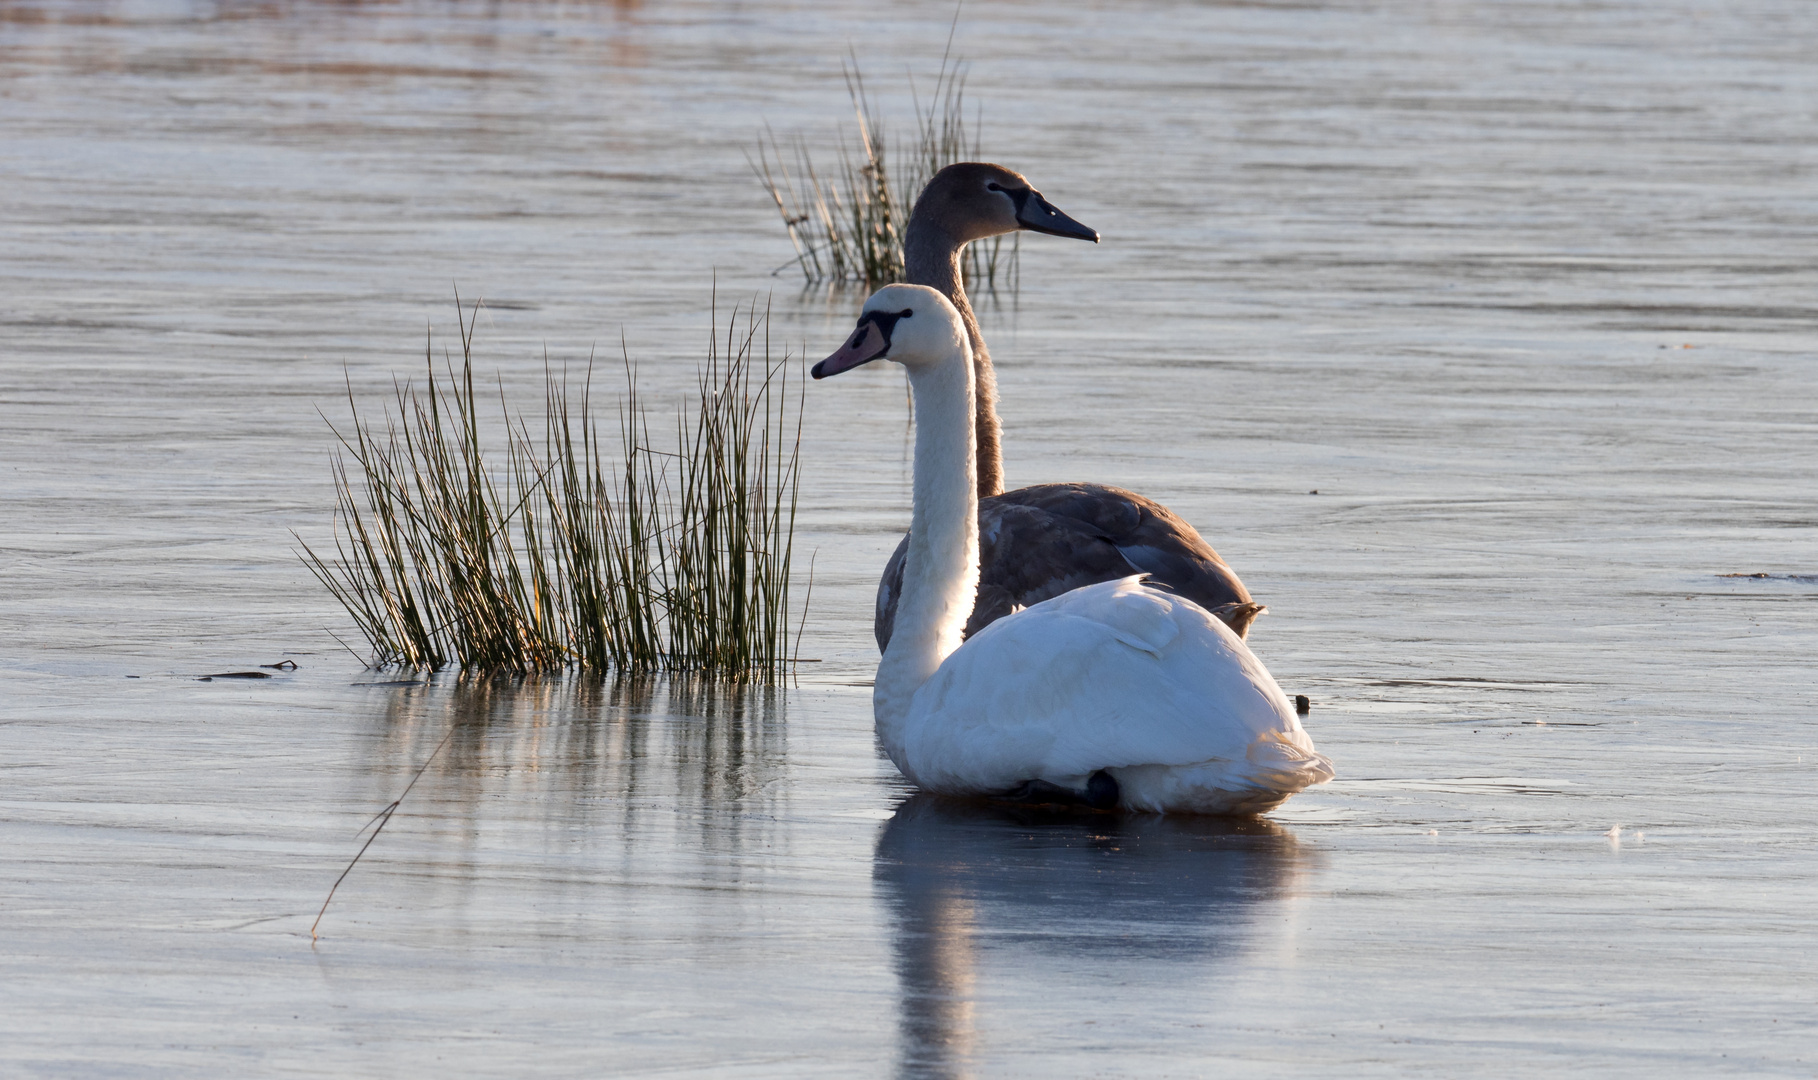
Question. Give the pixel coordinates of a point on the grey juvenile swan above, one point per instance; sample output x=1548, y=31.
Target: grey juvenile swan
x=1038, y=542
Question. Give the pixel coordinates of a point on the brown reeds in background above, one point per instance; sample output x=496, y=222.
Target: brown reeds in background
x=631, y=550
x=847, y=226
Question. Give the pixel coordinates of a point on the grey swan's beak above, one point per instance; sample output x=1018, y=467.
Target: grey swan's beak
x=1039, y=215
x=866, y=344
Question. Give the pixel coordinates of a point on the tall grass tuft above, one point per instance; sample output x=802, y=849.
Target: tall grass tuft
x=630, y=549
x=847, y=226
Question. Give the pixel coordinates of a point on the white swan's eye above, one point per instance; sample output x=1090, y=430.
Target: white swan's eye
x=905, y=313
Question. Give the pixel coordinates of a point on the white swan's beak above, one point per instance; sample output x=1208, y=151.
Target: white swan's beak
x=866, y=344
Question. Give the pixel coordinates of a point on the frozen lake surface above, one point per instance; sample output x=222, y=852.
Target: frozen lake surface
x=1525, y=290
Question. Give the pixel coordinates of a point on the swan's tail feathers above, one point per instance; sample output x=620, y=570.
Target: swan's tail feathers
x=1285, y=761
x=1239, y=616
x=1275, y=766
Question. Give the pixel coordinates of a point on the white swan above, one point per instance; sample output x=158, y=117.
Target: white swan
x=1115, y=694
x=1040, y=541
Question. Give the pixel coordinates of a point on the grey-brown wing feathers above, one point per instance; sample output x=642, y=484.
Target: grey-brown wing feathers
x=1038, y=542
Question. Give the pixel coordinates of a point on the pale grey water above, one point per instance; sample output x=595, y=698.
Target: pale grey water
x=1440, y=261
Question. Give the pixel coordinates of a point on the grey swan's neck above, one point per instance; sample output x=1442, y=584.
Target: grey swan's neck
x=931, y=257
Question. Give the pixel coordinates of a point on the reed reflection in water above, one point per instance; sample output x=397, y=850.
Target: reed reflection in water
x=605, y=737
x=588, y=790
x=1069, y=904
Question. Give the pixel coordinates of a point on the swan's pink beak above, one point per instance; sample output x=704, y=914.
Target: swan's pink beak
x=866, y=344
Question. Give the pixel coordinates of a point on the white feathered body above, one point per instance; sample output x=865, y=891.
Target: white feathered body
x=1121, y=676
x=1118, y=676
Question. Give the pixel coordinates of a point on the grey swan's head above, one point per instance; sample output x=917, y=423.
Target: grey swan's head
x=974, y=200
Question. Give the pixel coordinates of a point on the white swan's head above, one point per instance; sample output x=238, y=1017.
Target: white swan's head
x=911, y=324
x=975, y=199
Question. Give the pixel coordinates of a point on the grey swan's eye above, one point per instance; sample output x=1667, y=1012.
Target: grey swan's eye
x=1017, y=196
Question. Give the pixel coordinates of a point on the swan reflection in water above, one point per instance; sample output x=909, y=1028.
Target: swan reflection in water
x=970, y=885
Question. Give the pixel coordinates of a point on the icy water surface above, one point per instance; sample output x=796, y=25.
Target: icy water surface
x=1523, y=290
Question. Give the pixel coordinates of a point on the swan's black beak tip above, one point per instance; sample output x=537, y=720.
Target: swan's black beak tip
x=1039, y=215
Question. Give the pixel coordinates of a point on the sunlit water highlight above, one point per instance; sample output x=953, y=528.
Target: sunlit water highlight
x=1523, y=290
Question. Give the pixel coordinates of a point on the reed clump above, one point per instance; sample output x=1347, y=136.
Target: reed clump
x=630, y=549
x=847, y=225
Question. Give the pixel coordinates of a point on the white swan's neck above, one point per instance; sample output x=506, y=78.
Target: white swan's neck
x=940, y=572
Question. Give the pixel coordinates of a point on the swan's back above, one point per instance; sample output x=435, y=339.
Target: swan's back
x=1119, y=676
x=1041, y=541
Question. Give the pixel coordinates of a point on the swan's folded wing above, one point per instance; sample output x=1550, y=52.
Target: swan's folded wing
x=1027, y=555
x=1108, y=676
x=1141, y=532
x=1038, y=542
